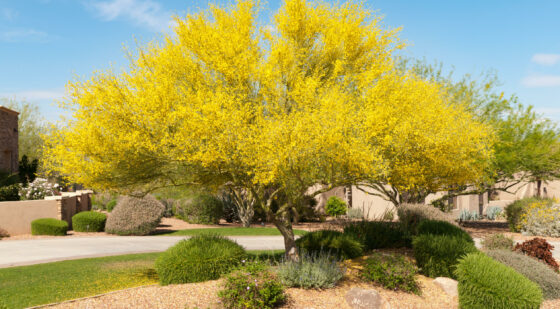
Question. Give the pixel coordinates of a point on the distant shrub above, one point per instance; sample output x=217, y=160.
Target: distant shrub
x=335, y=207
x=410, y=215
x=135, y=216
x=201, y=209
x=311, y=272
x=497, y=242
x=252, y=287
x=515, y=210
x=442, y=228
x=89, y=221
x=9, y=193
x=437, y=255
x=334, y=242
x=111, y=205
x=493, y=212
x=486, y=283
x=538, y=272
x=200, y=258
x=168, y=203
x=466, y=215
x=38, y=189
x=100, y=200
x=355, y=214
x=49, y=226
x=538, y=248
x=379, y=234
x=541, y=218
x=392, y=271
x=3, y=233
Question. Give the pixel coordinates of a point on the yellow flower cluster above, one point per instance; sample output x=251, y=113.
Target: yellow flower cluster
x=541, y=218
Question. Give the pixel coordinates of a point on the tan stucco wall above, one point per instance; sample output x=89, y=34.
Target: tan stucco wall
x=16, y=217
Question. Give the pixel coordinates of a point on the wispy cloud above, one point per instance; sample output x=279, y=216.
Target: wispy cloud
x=145, y=13
x=36, y=95
x=8, y=14
x=535, y=81
x=23, y=35
x=546, y=59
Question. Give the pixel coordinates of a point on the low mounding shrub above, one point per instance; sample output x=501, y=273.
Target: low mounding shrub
x=252, y=287
x=392, y=271
x=3, y=233
x=333, y=242
x=168, y=203
x=486, y=283
x=49, y=226
x=442, y=228
x=311, y=272
x=410, y=215
x=355, y=214
x=379, y=234
x=89, y=221
x=135, y=216
x=111, y=205
x=335, y=207
x=538, y=248
x=466, y=215
x=538, y=272
x=201, y=258
x=492, y=213
x=201, y=209
x=541, y=218
x=9, y=193
x=515, y=210
x=497, y=241
x=437, y=255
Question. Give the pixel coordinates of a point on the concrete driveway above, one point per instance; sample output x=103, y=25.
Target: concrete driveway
x=36, y=251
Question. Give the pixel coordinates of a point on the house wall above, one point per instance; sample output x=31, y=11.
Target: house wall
x=8, y=140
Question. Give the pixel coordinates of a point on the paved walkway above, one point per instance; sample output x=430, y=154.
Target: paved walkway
x=36, y=251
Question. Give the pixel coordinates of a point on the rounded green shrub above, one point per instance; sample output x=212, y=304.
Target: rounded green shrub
x=201, y=209
x=49, y=226
x=335, y=207
x=436, y=227
x=410, y=215
x=89, y=221
x=536, y=271
x=392, y=271
x=497, y=241
x=111, y=205
x=379, y=234
x=333, y=242
x=311, y=272
x=201, y=258
x=135, y=216
x=486, y=283
x=437, y=255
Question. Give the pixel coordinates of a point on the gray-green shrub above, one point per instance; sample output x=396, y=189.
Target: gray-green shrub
x=201, y=258
x=135, y=216
x=311, y=272
x=355, y=214
x=487, y=283
x=536, y=271
x=49, y=226
x=493, y=212
x=438, y=255
x=333, y=242
x=497, y=241
x=410, y=215
x=200, y=209
x=89, y=221
x=392, y=271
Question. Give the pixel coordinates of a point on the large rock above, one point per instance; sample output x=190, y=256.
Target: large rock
x=365, y=299
x=448, y=285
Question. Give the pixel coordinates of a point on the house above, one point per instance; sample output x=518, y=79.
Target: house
x=8, y=140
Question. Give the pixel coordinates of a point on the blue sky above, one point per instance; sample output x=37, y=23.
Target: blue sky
x=46, y=43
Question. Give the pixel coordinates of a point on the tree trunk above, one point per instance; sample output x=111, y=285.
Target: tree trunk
x=539, y=185
x=284, y=225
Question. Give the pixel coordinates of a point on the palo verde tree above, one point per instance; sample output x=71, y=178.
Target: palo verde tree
x=283, y=113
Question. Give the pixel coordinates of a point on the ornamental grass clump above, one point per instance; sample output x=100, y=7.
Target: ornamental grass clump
x=540, y=218
x=135, y=216
x=379, y=234
x=442, y=228
x=201, y=258
x=487, y=283
x=320, y=271
x=534, y=270
x=49, y=226
x=410, y=215
x=540, y=249
x=497, y=241
x=392, y=271
x=333, y=242
x=89, y=221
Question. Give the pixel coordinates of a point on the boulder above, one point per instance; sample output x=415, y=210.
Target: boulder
x=361, y=299
x=448, y=285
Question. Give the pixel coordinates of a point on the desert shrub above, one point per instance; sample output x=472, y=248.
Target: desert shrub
x=311, y=272
x=497, y=241
x=355, y=214
x=335, y=207
x=466, y=215
x=135, y=216
x=89, y=221
x=540, y=218
x=379, y=234
x=229, y=208
x=38, y=189
x=201, y=209
x=100, y=200
x=538, y=272
x=333, y=242
x=442, y=228
x=3, y=233
x=410, y=215
x=538, y=248
x=486, y=283
x=201, y=258
x=437, y=255
x=111, y=205
x=492, y=213
x=392, y=271
x=49, y=226
x=252, y=287
x=515, y=210
x=9, y=193
x=168, y=204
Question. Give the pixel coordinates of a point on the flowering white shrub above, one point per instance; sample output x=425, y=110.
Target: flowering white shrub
x=38, y=189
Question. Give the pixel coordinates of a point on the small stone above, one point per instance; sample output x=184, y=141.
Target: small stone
x=448, y=285
x=361, y=299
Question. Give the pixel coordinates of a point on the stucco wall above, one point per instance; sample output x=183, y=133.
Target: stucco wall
x=16, y=217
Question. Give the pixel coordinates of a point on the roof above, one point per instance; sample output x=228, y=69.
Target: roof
x=5, y=109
